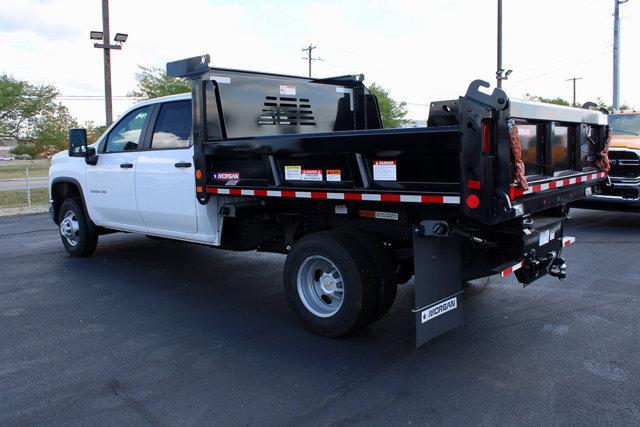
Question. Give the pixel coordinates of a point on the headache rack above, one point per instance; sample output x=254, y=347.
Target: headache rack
x=278, y=136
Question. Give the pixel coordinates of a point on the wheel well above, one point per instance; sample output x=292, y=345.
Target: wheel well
x=61, y=191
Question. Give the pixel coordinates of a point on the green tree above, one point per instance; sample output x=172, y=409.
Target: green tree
x=51, y=130
x=154, y=82
x=560, y=101
x=93, y=131
x=557, y=101
x=602, y=104
x=393, y=112
x=22, y=105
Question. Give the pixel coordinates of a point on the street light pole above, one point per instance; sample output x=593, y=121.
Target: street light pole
x=104, y=35
x=499, y=69
x=107, y=63
x=616, y=53
x=501, y=73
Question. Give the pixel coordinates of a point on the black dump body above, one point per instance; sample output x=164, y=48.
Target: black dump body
x=269, y=135
x=479, y=191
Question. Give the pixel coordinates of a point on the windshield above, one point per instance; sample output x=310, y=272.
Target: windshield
x=625, y=124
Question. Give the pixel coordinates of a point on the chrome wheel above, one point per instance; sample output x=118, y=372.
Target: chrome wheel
x=70, y=228
x=320, y=286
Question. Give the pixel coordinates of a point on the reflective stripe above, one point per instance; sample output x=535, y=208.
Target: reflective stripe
x=511, y=269
x=562, y=182
x=365, y=197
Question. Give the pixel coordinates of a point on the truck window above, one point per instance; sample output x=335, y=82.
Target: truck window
x=625, y=124
x=173, y=127
x=128, y=132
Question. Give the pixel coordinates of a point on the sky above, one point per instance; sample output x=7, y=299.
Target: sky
x=420, y=50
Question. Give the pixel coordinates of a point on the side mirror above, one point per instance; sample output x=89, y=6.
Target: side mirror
x=77, y=142
x=92, y=157
x=78, y=146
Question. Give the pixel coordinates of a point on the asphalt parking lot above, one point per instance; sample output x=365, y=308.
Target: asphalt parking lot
x=167, y=333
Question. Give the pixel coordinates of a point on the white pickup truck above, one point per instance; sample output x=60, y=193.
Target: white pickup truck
x=142, y=183
x=303, y=167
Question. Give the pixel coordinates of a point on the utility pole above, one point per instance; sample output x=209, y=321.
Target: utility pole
x=106, y=46
x=616, y=53
x=310, y=56
x=501, y=74
x=574, y=88
x=499, y=69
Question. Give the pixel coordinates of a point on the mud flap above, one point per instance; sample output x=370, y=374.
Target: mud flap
x=438, y=285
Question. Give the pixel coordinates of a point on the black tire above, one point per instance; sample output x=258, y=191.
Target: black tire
x=86, y=239
x=361, y=284
x=385, y=271
x=404, y=272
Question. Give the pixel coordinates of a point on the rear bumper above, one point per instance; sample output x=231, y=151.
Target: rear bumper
x=540, y=249
x=621, y=191
x=624, y=179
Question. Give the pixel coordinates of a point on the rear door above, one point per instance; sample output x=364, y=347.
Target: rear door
x=111, y=181
x=164, y=178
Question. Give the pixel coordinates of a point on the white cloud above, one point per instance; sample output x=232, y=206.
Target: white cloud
x=420, y=50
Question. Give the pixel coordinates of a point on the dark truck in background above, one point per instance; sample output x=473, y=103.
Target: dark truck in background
x=623, y=189
x=303, y=167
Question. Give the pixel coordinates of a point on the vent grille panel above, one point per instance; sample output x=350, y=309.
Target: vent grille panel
x=286, y=111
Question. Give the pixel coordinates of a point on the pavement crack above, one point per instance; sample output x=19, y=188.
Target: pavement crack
x=28, y=232
x=117, y=390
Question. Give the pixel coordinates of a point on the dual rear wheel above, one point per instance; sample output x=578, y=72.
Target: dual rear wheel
x=337, y=282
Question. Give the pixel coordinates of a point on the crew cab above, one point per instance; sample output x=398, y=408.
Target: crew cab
x=303, y=167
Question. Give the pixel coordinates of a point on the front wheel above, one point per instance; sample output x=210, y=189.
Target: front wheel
x=78, y=239
x=331, y=283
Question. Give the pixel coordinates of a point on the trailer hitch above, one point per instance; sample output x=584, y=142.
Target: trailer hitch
x=535, y=267
x=558, y=268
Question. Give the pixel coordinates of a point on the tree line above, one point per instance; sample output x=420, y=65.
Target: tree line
x=30, y=113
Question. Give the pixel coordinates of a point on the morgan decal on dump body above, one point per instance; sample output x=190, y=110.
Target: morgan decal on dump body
x=226, y=175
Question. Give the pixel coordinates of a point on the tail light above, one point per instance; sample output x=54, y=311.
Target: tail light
x=486, y=138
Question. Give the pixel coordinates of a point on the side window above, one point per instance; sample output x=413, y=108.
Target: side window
x=173, y=127
x=127, y=134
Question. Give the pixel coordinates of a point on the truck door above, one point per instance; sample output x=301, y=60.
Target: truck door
x=164, y=179
x=111, y=181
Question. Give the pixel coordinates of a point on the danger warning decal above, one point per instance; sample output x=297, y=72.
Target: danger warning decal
x=226, y=175
x=334, y=175
x=384, y=170
x=311, y=174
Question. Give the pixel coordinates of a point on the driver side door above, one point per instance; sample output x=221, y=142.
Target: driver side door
x=111, y=182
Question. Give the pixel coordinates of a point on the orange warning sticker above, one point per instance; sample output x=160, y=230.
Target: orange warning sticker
x=334, y=175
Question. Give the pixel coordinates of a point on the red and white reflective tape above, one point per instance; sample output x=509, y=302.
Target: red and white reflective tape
x=363, y=197
x=511, y=269
x=563, y=182
x=568, y=240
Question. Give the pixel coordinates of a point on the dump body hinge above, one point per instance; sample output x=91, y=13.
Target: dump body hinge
x=498, y=98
